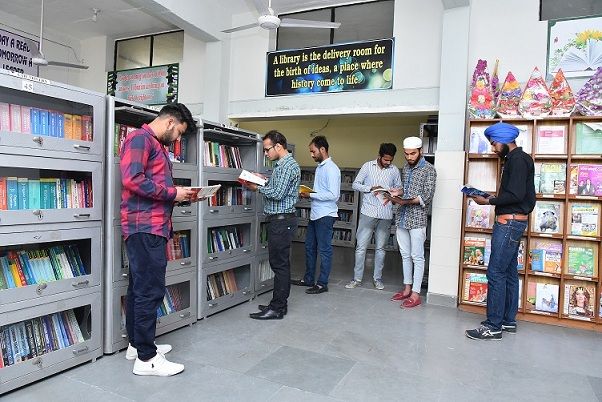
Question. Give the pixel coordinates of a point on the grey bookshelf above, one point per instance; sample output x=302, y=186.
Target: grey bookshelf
x=345, y=227
x=50, y=239
x=228, y=226
x=181, y=274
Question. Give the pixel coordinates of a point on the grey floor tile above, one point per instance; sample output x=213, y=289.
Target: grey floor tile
x=61, y=388
x=596, y=383
x=368, y=382
x=288, y=394
x=302, y=369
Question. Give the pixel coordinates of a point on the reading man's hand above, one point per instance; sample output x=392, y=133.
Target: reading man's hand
x=304, y=195
x=184, y=194
x=396, y=192
x=480, y=200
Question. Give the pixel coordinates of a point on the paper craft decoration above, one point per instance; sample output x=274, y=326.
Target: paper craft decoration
x=589, y=98
x=510, y=94
x=495, y=82
x=536, y=100
x=563, y=101
x=481, y=104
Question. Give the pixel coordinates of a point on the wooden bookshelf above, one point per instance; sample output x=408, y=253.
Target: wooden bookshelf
x=571, y=241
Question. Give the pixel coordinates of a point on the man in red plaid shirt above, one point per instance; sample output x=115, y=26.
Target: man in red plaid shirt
x=147, y=201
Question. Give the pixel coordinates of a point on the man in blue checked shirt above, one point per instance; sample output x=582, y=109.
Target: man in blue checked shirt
x=324, y=211
x=281, y=193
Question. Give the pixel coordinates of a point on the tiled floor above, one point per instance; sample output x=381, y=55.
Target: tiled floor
x=351, y=345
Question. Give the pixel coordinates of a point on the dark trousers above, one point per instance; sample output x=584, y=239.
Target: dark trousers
x=146, y=288
x=280, y=236
x=318, y=238
x=502, y=274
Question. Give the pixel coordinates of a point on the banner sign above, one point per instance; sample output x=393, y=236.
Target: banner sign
x=149, y=85
x=16, y=53
x=346, y=67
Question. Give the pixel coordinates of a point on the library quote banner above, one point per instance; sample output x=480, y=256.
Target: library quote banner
x=347, y=67
x=17, y=53
x=150, y=85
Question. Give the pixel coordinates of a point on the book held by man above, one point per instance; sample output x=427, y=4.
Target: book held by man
x=249, y=177
x=305, y=189
x=207, y=191
x=473, y=192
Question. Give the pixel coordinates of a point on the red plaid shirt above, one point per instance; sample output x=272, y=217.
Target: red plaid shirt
x=148, y=192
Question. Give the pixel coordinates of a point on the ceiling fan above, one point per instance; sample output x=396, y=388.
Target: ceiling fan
x=268, y=20
x=40, y=60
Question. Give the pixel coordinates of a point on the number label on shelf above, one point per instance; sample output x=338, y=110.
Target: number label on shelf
x=27, y=86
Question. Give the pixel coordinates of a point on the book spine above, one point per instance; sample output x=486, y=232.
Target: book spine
x=12, y=189
x=87, y=128
x=25, y=120
x=52, y=124
x=68, y=126
x=23, y=186
x=15, y=118
x=3, y=194
x=35, y=121
x=4, y=117
x=60, y=125
x=44, y=129
x=77, y=127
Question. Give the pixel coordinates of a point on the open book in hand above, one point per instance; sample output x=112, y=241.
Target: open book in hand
x=249, y=177
x=473, y=192
x=205, y=192
x=384, y=192
x=305, y=189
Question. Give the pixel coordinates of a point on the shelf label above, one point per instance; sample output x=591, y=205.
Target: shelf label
x=27, y=86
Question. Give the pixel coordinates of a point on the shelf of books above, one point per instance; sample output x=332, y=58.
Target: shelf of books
x=228, y=228
x=179, y=304
x=123, y=117
x=346, y=224
x=264, y=276
x=51, y=192
x=559, y=258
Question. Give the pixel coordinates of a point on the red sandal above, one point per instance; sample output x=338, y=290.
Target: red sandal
x=409, y=303
x=399, y=296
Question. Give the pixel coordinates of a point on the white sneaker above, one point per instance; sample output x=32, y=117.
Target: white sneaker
x=378, y=284
x=158, y=366
x=132, y=353
x=353, y=284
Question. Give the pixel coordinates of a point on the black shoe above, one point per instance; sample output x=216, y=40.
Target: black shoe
x=267, y=315
x=314, y=290
x=264, y=307
x=510, y=328
x=484, y=333
x=301, y=282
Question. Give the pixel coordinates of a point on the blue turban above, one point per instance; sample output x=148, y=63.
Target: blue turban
x=503, y=133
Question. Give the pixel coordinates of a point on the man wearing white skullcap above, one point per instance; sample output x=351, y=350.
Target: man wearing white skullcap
x=418, y=179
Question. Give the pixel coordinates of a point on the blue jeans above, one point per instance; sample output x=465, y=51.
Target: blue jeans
x=146, y=288
x=318, y=238
x=502, y=275
x=381, y=229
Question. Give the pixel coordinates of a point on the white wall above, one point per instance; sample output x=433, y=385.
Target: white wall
x=98, y=55
x=193, y=74
x=417, y=31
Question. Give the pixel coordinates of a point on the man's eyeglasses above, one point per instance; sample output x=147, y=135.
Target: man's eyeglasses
x=266, y=150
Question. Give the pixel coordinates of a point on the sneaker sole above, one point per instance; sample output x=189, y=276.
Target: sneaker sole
x=482, y=339
x=152, y=373
x=509, y=331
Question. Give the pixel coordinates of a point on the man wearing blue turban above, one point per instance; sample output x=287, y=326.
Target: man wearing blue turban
x=514, y=202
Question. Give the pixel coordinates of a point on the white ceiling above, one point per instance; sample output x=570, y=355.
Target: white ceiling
x=116, y=18
x=120, y=18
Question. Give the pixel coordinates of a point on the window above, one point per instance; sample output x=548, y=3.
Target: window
x=359, y=22
x=148, y=51
x=557, y=9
